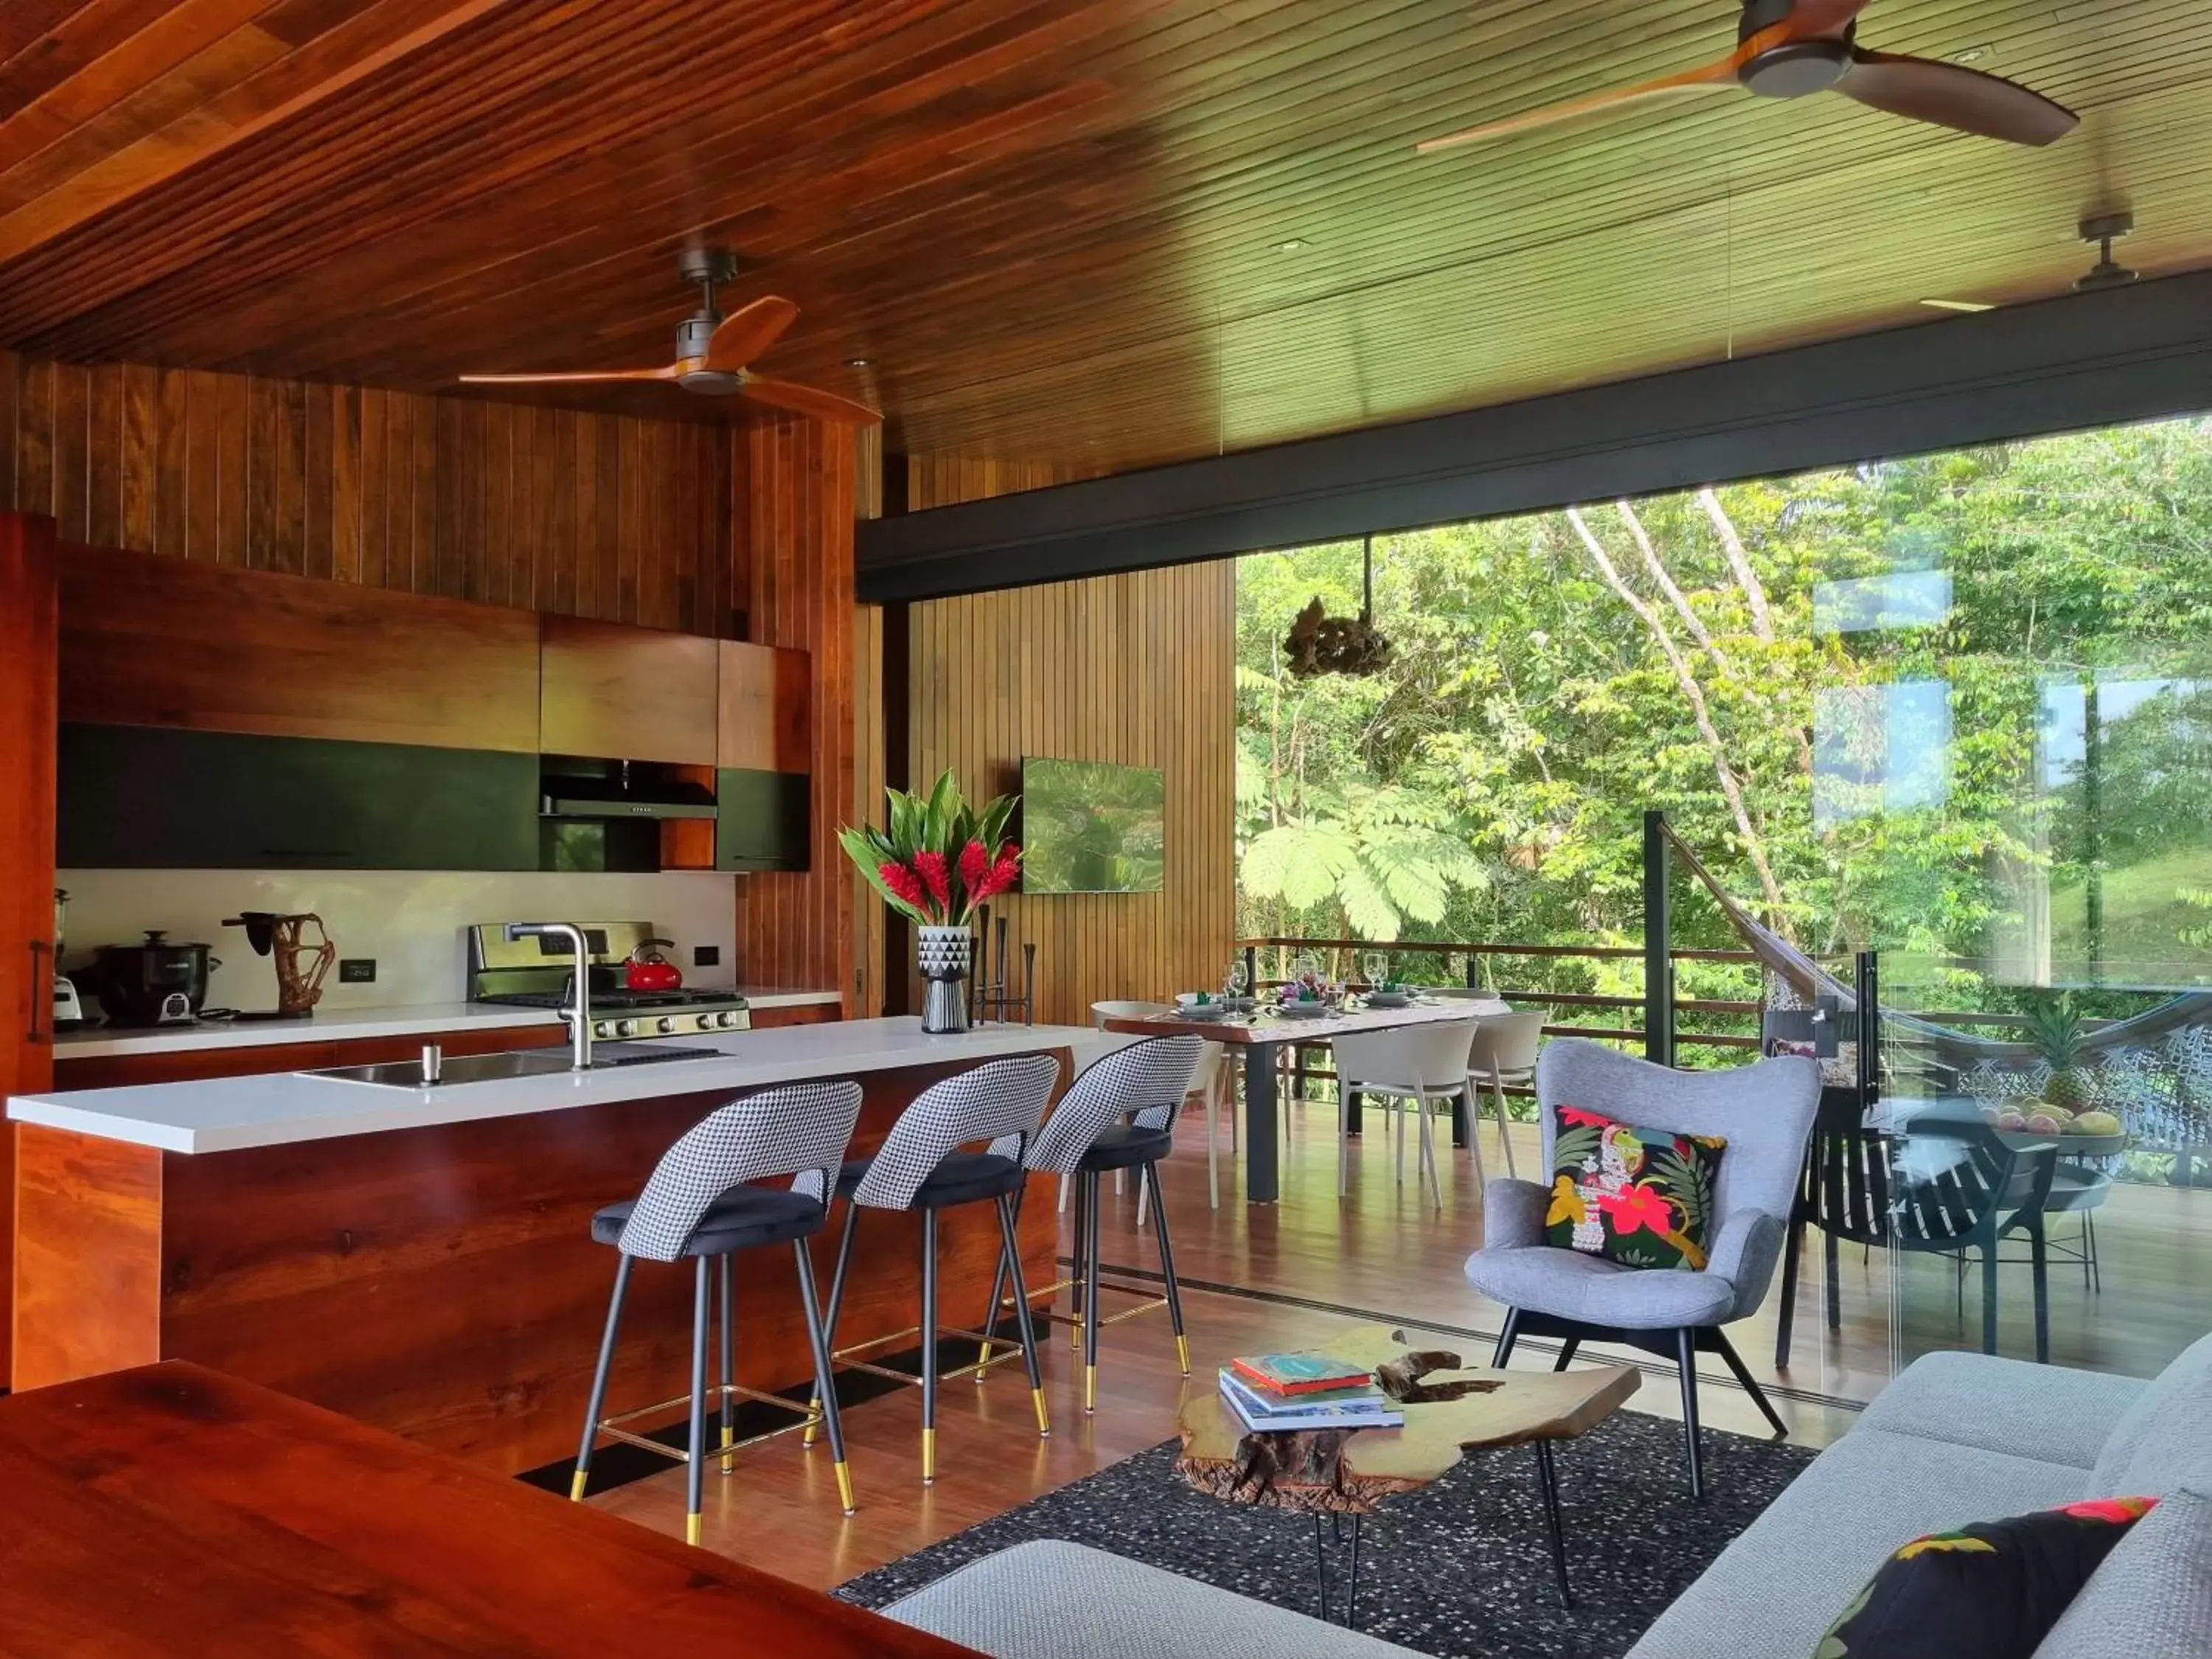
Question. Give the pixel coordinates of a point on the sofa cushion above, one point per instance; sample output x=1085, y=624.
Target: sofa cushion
x=1641, y=1197
x=2159, y=1441
x=1782, y=1582
x=2152, y=1596
x=1992, y=1590
x=1047, y=1600
x=2049, y=1412
x=1572, y=1286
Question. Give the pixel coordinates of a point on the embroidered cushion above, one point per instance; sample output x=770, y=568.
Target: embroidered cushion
x=1641, y=1197
x=1993, y=1589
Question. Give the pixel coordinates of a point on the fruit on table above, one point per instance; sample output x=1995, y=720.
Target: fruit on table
x=2055, y=1030
x=2095, y=1123
x=2042, y=1124
x=2012, y=1120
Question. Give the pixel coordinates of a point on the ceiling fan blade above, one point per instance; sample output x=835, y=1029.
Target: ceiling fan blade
x=748, y=332
x=1707, y=77
x=1953, y=95
x=666, y=373
x=808, y=400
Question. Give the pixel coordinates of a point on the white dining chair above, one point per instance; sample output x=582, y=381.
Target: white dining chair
x=1208, y=1087
x=1503, y=1051
x=1411, y=1064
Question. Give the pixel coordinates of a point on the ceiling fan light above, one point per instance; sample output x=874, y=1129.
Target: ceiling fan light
x=1797, y=69
x=710, y=382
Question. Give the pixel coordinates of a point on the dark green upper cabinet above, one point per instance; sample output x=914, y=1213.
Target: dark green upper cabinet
x=157, y=797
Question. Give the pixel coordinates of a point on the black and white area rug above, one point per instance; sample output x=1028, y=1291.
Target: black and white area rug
x=1459, y=1568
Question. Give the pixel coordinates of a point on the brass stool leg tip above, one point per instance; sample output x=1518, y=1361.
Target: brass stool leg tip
x=1089, y=1390
x=813, y=1422
x=929, y=1457
x=691, y=1529
x=845, y=1487
x=1183, y=1353
x=576, y=1486
x=1044, y=1418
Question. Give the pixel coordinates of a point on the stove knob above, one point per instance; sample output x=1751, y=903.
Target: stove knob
x=702, y=1022
x=601, y=1028
x=625, y=1028
x=726, y=1020
x=663, y=1026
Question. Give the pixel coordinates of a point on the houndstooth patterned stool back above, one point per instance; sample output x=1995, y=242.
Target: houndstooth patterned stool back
x=1146, y=1080
x=801, y=1129
x=1002, y=1102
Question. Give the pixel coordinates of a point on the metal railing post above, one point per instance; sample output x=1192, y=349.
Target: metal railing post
x=1658, y=963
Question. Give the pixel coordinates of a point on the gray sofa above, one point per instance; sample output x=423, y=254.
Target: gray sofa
x=1956, y=1438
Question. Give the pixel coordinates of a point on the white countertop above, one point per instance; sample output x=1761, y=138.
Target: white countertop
x=343, y=1024
x=227, y=1113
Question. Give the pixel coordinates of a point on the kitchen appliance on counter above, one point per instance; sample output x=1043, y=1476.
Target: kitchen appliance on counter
x=154, y=982
x=537, y=972
x=299, y=965
x=68, y=1007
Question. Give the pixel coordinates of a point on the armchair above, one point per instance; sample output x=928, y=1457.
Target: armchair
x=1765, y=1112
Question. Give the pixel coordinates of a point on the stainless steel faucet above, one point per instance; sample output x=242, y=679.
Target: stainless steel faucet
x=579, y=1014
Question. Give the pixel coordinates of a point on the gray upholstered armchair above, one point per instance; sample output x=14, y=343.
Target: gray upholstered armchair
x=1765, y=1112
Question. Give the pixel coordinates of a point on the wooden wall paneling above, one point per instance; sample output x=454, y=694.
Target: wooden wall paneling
x=147, y=640
x=27, y=630
x=1135, y=669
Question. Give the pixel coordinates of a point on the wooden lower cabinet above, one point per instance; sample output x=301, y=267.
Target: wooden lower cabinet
x=805, y=1014
x=254, y=1060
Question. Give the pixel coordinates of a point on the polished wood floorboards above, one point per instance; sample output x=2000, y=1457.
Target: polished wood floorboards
x=1312, y=1264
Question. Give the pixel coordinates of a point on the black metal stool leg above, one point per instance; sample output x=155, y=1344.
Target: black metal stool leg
x=1727, y=1350
x=727, y=1318
x=826, y=1381
x=599, y=1380
x=1075, y=1278
x=695, y=1469
x=1167, y=1267
x=1566, y=1354
x=836, y=1300
x=1503, y=1352
x=991, y=1312
x=1010, y=1264
x=928, y=1347
x=1547, y=1475
x=1091, y=1298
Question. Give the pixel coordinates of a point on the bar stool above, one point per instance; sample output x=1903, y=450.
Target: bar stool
x=698, y=1206
x=1118, y=1115
x=921, y=1166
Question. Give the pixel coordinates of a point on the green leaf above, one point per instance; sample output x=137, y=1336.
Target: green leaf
x=1367, y=907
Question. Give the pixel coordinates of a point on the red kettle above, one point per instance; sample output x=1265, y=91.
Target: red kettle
x=649, y=970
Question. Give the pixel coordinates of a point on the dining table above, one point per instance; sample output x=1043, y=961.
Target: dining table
x=1263, y=1032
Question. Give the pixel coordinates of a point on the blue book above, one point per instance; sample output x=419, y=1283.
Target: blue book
x=1264, y=1416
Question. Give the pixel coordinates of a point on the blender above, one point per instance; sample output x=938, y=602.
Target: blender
x=69, y=1011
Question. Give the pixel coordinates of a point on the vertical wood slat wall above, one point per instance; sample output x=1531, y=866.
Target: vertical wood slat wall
x=1137, y=669
x=792, y=510
x=609, y=517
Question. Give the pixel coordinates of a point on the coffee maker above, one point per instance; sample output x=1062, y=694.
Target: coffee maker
x=69, y=1011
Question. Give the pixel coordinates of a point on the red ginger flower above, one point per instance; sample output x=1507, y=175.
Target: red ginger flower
x=975, y=867
x=932, y=866
x=902, y=882
x=1003, y=872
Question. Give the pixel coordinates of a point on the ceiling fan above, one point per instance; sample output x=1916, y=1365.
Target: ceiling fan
x=1789, y=48
x=713, y=352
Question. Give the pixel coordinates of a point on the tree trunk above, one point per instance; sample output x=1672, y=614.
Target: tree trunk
x=1754, y=595
x=1666, y=582
x=1754, y=846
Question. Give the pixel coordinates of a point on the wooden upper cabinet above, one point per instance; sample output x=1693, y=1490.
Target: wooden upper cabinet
x=152, y=640
x=623, y=693
x=767, y=708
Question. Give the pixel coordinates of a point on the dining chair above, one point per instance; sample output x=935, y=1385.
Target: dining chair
x=1210, y=1088
x=1414, y=1064
x=1503, y=1051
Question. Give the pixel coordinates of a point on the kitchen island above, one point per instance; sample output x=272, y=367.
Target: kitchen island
x=420, y=1258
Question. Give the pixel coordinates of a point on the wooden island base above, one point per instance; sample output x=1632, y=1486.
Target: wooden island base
x=439, y=1282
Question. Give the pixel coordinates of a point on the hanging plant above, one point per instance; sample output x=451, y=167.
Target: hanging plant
x=1319, y=643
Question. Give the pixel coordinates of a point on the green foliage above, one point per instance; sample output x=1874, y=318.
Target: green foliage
x=940, y=822
x=1490, y=783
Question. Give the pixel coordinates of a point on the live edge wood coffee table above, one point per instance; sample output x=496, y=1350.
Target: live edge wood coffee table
x=1451, y=1408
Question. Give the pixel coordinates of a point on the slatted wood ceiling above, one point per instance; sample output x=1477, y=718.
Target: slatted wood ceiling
x=1136, y=669
x=1051, y=225
x=603, y=516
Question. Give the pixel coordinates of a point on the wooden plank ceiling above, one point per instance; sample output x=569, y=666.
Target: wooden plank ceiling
x=1052, y=227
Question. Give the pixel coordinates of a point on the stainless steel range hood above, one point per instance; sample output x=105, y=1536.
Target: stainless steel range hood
x=573, y=788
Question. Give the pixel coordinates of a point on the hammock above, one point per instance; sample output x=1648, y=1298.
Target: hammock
x=1963, y=1049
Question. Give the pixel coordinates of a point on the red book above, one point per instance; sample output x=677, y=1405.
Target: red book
x=1300, y=1373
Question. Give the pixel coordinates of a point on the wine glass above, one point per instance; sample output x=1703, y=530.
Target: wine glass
x=1234, y=982
x=1375, y=965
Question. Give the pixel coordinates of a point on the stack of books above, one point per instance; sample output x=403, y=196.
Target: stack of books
x=1277, y=1393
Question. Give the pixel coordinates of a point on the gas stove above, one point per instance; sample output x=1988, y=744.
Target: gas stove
x=539, y=973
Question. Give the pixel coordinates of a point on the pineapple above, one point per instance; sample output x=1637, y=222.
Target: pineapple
x=2055, y=1030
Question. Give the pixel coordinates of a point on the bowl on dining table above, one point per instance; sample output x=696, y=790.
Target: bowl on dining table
x=1201, y=1010
x=1389, y=999
x=1306, y=1009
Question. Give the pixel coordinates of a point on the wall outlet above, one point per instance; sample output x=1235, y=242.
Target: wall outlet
x=356, y=970
x=705, y=956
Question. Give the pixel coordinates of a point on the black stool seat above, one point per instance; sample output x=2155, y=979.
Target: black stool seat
x=1125, y=1145
x=743, y=1218
x=959, y=1178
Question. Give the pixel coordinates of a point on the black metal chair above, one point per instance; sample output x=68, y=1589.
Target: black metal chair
x=1944, y=1185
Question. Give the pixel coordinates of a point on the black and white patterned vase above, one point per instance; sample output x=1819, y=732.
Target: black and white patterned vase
x=944, y=955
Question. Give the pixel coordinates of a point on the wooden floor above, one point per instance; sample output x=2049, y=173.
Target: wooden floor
x=1313, y=1263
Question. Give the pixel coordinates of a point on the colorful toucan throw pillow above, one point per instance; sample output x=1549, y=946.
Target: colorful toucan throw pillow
x=1641, y=1197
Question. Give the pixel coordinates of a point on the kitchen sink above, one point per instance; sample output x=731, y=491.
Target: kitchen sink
x=514, y=1063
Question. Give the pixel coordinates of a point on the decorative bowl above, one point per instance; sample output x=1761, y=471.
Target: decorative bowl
x=1389, y=999
x=1201, y=1011
x=1305, y=1009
